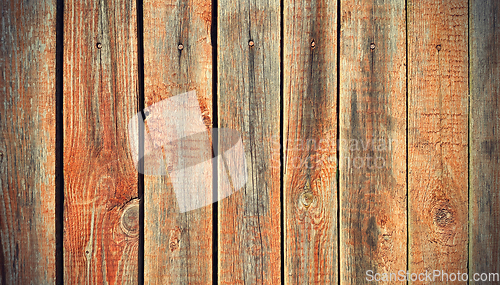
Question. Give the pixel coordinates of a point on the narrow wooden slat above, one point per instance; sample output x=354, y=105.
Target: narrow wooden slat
x=372, y=140
x=309, y=141
x=437, y=135
x=27, y=142
x=249, y=102
x=484, y=33
x=101, y=225
x=177, y=245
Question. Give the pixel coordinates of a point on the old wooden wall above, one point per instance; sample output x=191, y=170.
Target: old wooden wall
x=371, y=131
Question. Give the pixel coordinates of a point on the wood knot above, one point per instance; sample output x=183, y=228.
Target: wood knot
x=175, y=236
x=307, y=198
x=129, y=221
x=443, y=213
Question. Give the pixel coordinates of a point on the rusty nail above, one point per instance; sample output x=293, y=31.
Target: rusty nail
x=313, y=44
x=438, y=47
x=98, y=45
x=180, y=47
x=251, y=43
x=372, y=46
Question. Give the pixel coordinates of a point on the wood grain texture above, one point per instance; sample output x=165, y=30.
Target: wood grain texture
x=437, y=135
x=249, y=102
x=484, y=169
x=178, y=246
x=101, y=223
x=372, y=139
x=309, y=142
x=27, y=142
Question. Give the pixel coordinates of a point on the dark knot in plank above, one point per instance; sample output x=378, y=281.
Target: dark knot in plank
x=129, y=221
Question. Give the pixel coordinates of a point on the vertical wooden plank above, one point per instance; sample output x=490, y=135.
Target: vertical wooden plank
x=249, y=102
x=484, y=246
x=177, y=59
x=437, y=135
x=372, y=140
x=101, y=228
x=309, y=141
x=27, y=142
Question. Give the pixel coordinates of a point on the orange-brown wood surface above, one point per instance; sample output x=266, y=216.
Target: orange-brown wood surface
x=370, y=132
x=437, y=135
x=248, y=101
x=27, y=142
x=484, y=134
x=177, y=59
x=372, y=139
x=101, y=214
x=309, y=142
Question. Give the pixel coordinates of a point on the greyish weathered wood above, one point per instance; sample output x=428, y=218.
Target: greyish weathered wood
x=249, y=102
x=309, y=142
x=372, y=139
x=484, y=137
x=27, y=142
x=177, y=59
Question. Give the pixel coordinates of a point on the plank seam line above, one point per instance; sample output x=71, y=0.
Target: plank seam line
x=468, y=141
x=282, y=160
x=59, y=144
x=215, y=124
x=339, y=208
x=406, y=148
x=141, y=105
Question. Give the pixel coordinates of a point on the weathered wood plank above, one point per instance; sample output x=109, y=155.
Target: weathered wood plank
x=372, y=139
x=101, y=228
x=178, y=59
x=484, y=33
x=27, y=142
x=249, y=102
x=437, y=135
x=309, y=141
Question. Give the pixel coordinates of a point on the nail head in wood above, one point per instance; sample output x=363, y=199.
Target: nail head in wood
x=98, y=45
x=313, y=44
x=180, y=47
x=372, y=46
x=438, y=47
x=251, y=43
